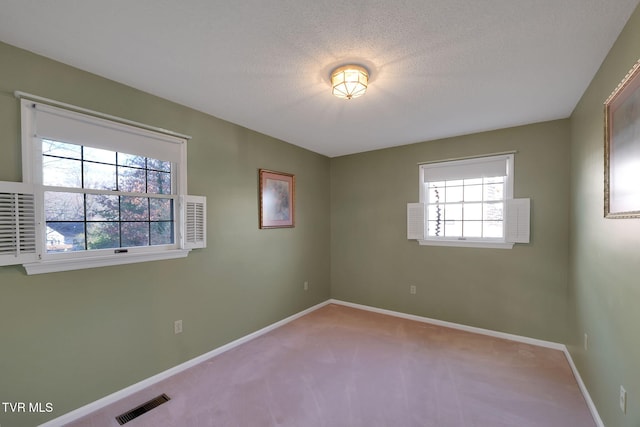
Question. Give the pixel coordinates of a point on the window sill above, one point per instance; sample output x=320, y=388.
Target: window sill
x=52, y=266
x=467, y=244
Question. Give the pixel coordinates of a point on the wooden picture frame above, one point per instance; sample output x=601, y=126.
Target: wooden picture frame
x=277, y=199
x=622, y=148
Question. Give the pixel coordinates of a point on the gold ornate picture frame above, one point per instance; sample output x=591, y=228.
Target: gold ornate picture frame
x=622, y=148
x=277, y=199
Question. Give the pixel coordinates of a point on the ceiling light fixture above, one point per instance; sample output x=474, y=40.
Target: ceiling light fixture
x=349, y=81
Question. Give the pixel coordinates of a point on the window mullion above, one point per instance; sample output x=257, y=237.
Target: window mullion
x=86, y=239
x=119, y=221
x=149, y=219
x=482, y=219
x=117, y=172
x=82, y=166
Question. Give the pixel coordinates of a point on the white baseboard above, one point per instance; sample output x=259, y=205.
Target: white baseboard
x=488, y=332
x=134, y=388
x=114, y=397
x=583, y=389
x=458, y=326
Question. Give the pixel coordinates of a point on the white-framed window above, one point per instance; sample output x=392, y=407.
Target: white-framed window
x=105, y=192
x=469, y=202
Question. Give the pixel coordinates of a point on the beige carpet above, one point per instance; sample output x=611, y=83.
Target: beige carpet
x=340, y=366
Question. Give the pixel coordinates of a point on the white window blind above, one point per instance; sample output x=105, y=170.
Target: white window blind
x=67, y=126
x=463, y=169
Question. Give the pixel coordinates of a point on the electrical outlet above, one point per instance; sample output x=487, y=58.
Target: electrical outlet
x=177, y=327
x=306, y=286
x=412, y=289
x=586, y=342
x=623, y=400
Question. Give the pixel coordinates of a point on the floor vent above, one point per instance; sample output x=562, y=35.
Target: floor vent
x=144, y=408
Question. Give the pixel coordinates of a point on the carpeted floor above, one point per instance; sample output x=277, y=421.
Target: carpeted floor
x=343, y=367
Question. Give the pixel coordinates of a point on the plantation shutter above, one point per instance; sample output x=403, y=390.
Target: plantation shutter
x=195, y=222
x=518, y=218
x=17, y=224
x=416, y=217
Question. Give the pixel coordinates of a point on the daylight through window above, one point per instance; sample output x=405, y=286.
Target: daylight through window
x=469, y=208
x=98, y=199
x=107, y=191
x=466, y=200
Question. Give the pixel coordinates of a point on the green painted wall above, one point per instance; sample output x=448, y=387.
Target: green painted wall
x=605, y=253
x=521, y=291
x=71, y=338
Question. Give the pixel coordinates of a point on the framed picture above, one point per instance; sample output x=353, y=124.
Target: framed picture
x=277, y=199
x=622, y=148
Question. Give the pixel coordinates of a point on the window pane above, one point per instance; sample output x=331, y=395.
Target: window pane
x=132, y=160
x=435, y=228
x=103, y=235
x=436, y=212
x=101, y=207
x=65, y=236
x=472, y=211
x=135, y=234
x=454, y=194
x=473, y=193
x=493, y=212
x=436, y=195
x=493, y=229
x=437, y=184
x=453, y=212
x=453, y=228
x=61, y=172
x=159, y=165
x=131, y=180
x=61, y=149
x=63, y=206
x=473, y=228
x=473, y=181
x=495, y=179
x=160, y=209
x=134, y=208
x=456, y=182
x=99, y=177
x=161, y=233
x=493, y=191
x=98, y=155
x=158, y=182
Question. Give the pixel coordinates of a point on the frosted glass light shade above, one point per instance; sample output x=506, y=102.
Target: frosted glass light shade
x=349, y=81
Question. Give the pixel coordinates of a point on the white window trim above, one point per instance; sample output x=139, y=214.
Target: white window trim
x=57, y=265
x=45, y=263
x=470, y=242
x=467, y=244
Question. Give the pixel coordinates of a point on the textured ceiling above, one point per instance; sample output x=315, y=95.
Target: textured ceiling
x=438, y=68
